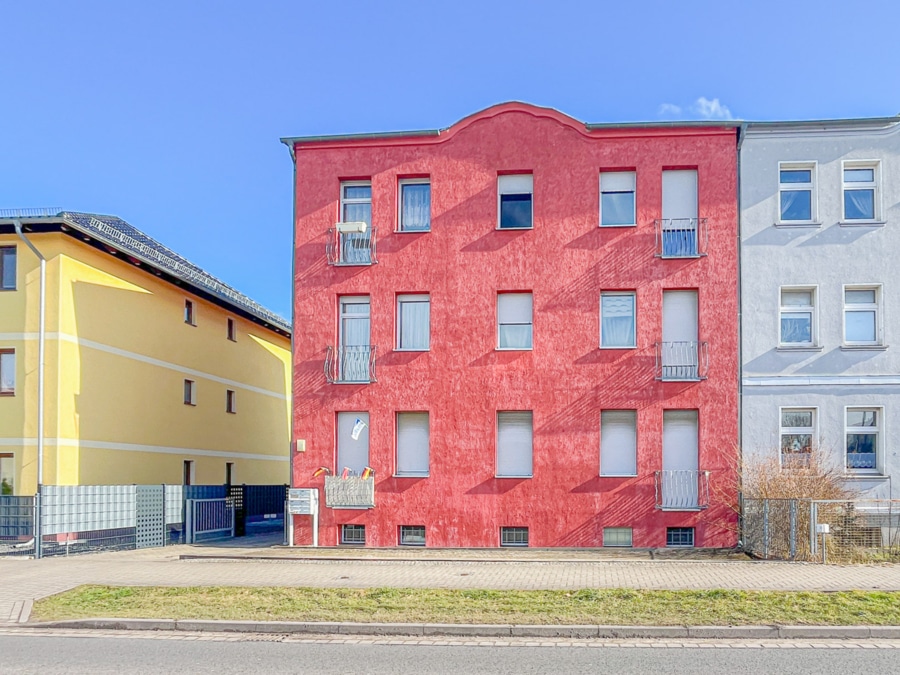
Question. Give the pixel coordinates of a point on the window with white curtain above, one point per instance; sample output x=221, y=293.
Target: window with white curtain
x=514, y=321
x=415, y=205
x=861, y=199
x=863, y=439
x=413, y=322
x=862, y=316
x=7, y=372
x=617, y=204
x=796, y=192
x=618, y=443
x=798, y=317
x=514, y=201
x=514, y=444
x=617, y=320
x=412, y=443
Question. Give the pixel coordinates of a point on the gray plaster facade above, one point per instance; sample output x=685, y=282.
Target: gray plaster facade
x=820, y=296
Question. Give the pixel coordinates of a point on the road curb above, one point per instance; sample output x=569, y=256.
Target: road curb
x=758, y=632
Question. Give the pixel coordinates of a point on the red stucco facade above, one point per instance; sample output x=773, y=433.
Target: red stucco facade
x=566, y=261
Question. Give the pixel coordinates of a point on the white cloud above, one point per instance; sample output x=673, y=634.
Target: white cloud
x=711, y=109
x=669, y=110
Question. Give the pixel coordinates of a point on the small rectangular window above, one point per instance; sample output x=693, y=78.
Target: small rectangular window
x=617, y=536
x=230, y=403
x=230, y=331
x=414, y=322
x=7, y=268
x=190, y=392
x=617, y=320
x=514, y=536
x=7, y=474
x=415, y=205
x=514, y=321
x=617, y=203
x=353, y=535
x=863, y=435
x=679, y=537
x=861, y=199
x=412, y=535
x=514, y=444
x=618, y=443
x=7, y=372
x=188, y=472
x=798, y=317
x=514, y=201
x=797, y=434
x=412, y=443
x=189, y=313
x=862, y=316
x=796, y=192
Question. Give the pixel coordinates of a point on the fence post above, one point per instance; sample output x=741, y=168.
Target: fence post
x=188, y=521
x=793, y=504
x=813, y=519
x=766, y=529
x=232, y=520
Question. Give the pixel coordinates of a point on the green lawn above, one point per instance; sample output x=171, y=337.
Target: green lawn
x=404, y=605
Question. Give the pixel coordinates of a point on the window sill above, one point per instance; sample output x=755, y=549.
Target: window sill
x=862, y=223
x=864, y=348
x=7, y=393
x=192, y=325
x=617, y=348
x=618, y=475
x=411, y=475
x=7, y=289
x=783, y=348
x=516, y=477
x=865, y=476
x=401, y=349
x=513, y=349
x=799, y=223
x=411, y=231
x=193, y=405
x=513, y=229
x=607, y=227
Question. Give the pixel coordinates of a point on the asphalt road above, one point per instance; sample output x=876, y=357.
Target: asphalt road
x=149, y=654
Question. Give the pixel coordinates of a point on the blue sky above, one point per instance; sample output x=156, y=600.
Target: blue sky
x=168, y=114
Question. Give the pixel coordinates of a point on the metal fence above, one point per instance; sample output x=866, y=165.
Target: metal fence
x=16, y=525
x=208, y=519
x=858, y=530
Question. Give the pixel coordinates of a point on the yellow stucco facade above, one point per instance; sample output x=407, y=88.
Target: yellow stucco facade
x=118, y=352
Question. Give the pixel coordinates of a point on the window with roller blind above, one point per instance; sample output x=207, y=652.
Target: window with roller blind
x=514, y=202
x=514, y=321
x=617, y=202
x=514, y=444
x=618, y=443
x=412, y=444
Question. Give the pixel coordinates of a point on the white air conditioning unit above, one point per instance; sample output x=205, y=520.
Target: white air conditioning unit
x=345, y=228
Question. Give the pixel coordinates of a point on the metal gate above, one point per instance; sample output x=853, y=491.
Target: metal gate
x=208, y=519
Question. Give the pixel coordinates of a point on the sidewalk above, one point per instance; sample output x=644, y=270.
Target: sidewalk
x=26, y=580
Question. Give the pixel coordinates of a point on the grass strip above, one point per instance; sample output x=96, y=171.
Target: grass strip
x=406, y=605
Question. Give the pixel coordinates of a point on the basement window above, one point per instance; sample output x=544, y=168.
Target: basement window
x=514, y=536
x=354, y=535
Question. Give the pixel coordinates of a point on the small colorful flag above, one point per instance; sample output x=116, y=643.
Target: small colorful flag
x=357, y=429
x=320, y=471
x=368, y=471
x=345, y=474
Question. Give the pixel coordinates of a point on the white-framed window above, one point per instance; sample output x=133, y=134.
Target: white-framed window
x=798, y=324
x=861, y=194
x=414, y=322
x=352, y=442
x=412, y=535
x=356, y=201
x=863, y=431
x=353, y=535
x=862, y=316
x=7, y=372
x=617, y=199
x=414, y=203
x=515, y=195
x=680, y=537
x=617, y=536
x=190, y=392
x=7, y=268
x=798, y=434
x=514, y=321
x=514, y=536
x=189, y=317
x=354, y=339
x=413, y=434
x=7, y=474
x=797, y=192
x=618, y=443
x=230, y=401
x=514, y=444
x=617, y=320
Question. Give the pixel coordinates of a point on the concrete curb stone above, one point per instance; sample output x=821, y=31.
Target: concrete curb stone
x=733, y=632
x=823, y=632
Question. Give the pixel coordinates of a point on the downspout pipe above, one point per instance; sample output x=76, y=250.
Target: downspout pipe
x=42, y=334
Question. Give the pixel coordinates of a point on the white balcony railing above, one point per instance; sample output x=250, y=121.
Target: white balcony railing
x=681, y=237
x=353, y=492
x=350, y=248
x=682, y=490
x=682, y=361
x=351, y=364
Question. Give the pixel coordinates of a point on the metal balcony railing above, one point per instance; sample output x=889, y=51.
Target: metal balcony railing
x=682, y=490
x=346, y=365
x=681, y=237
x=353, y=492
x=682, y=361
x=351, y=248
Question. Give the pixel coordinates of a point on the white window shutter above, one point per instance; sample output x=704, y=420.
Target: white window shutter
x=617, y=181
x=679, y=194
x=514, y=444
x=412, y=444
x=514, y=307
x=516, y=185
x=618, y=443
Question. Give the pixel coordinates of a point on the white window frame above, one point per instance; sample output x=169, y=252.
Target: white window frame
x=783, y=431
x=353, y=200
x=875, y=186
x=871, y=307
x=812, y=167
x=608, y=539
x=7, y=351
x=633, y=295
x=879, y=438
x=411, y=298
x=633, y=192
x=502, y=191
x=530, y=323
x=497, y=473
x=410, y=474
x=400, y=185
x=789, y=309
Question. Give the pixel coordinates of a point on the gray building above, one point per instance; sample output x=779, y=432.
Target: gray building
x=820, y=296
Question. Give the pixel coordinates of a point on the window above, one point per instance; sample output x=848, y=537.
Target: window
x=352, y=442
x=190, y=392
x=353, y=534
x=861, y=191
x=412, y=443
x=618, y=443
x=413, y=322
x=188, y=472
x=514, y=536
x=7, y=372
x=863, y=443
x=189, y=313
x=798, y=317
x=514, y=208
x=412, y=535
x=415, y=205
x=617, y=536
x=796, y=192
x=617, y=320
x=679, y=537
x=7, y=268
x=7, y=474
x=797, y=433
x=617, y=198
x=356, y=207
x=514, y=444
x=862, y=324
x=230, y=331
x=514, y=321
x=229, y=472
x=355, y=350
x=230, y=404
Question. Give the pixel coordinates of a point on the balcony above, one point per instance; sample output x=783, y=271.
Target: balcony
x=350, y=365
x=353, y=492
x=350, y=244
x=681, y=237
x=682, y=361
x=682, y=490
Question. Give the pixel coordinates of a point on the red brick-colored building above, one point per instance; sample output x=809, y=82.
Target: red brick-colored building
x=524, y=326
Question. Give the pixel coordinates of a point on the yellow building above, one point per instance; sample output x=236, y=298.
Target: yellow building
x=154, y=371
